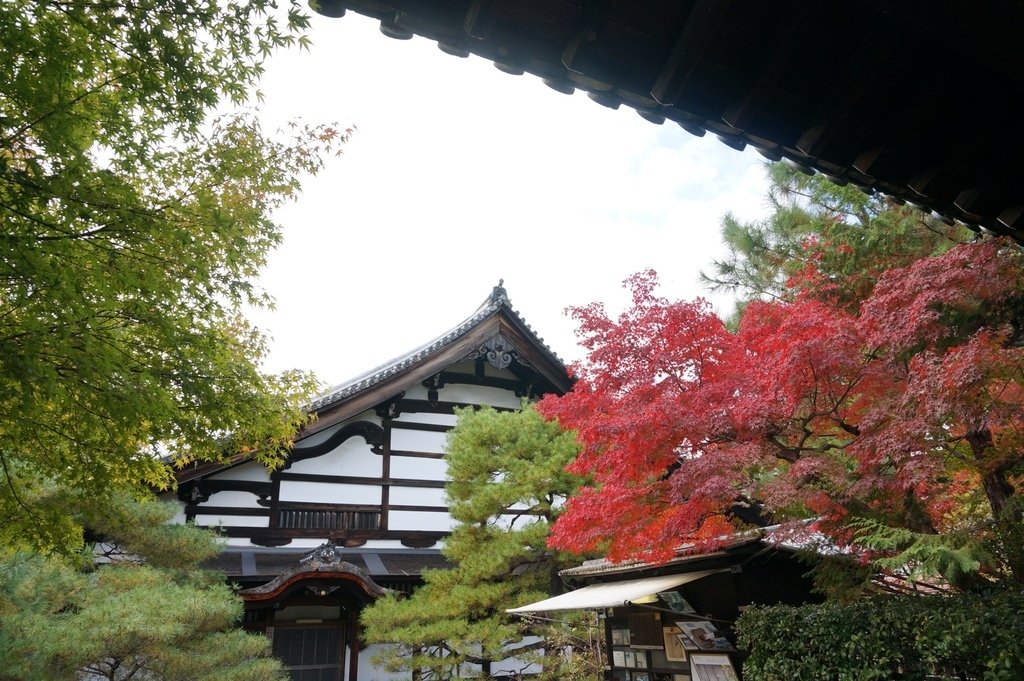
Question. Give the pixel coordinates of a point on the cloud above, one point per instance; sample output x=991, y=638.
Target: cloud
x=460, y=175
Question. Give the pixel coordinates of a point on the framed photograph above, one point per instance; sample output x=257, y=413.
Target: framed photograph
x=645, y=630
x=630, y=659
x=705, y=667
x=618, y=658
x=675, y=651
x=705, y=636
x=675, y=601
x=641, y=660
x=620, y=637
x=687, y=643
x=641, y=676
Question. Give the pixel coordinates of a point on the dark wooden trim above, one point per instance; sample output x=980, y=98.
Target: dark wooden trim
x=411, y=406
x=419, y=509
x=385, y=473
x=418, y=542
x=417, y=455
x=338, y=536
x=428, y=427
x=279, y=587
x=357, y=480
x=369, y=431
x=309, y=506
x=208, y=487
x=226, y=510
x=275, y=497
x=519, y=388
x=352, y=632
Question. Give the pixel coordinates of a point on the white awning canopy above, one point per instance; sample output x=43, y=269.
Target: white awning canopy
x=611, y=594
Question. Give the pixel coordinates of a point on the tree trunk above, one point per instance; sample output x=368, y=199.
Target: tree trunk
x=999, y=491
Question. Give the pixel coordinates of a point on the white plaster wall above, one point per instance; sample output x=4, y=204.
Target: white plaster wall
x=232, y=520
x=329, y=493
x=232, y=498
x=416, y=468
x=253, y=471
x=418, y=440
x=367, y=672
x=417, y=496
x=179, y=514
x=515, y=665
x=478, y=394
x=351, y=457
x=422, y=417
x=416, y=392
x=317, y=438
x=420, y=520
x=505, y=521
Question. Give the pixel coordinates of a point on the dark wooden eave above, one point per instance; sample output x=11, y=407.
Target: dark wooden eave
x=322, y=564
x=921, y=100
x=494, y=318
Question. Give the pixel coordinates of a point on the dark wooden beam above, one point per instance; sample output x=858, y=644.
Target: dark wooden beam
x=199, y=509
x=417, y=455
x=697, y=34
x=480, y=18
x=427, y=427
x=849, y=85
x=788, y=44
x=360, y=480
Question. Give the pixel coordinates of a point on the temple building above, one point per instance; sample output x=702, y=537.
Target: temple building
x=359, y=507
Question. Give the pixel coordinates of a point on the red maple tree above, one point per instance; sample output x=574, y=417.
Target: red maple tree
x=907, y=410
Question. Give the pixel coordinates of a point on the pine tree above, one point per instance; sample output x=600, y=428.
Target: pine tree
x=507, y=482
x=149, y=614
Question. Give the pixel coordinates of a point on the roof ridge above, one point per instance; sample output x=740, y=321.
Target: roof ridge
x=497, y=299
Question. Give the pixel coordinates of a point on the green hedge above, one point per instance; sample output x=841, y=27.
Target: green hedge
x=887, y=637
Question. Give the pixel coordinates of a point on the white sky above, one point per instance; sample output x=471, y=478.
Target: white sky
x=459, y=175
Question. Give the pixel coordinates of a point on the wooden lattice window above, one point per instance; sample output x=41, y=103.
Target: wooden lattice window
x=328, y=517
x=311, y=653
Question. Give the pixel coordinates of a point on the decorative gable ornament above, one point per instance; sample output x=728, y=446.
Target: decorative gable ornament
x=497, y=350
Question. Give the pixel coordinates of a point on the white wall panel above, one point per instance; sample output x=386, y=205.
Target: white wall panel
x=417, y=496
x=416, y=392
x=233, y=520
x=233, y=499
x=252, y=471
x=514, y=666
x=179, y=514
x=505, y=521
x=367, y=672
x=418, y=469
x=420, y=520
x=479, y=394
x=418, y=440
x=322, y=436
x=351, y=457
x=329, y=493
x=423, y=417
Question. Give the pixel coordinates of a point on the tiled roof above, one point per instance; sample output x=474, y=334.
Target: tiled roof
x=602, y=566
x=497, y=300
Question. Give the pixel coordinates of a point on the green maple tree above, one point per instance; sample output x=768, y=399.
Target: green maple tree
x=132, y=224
